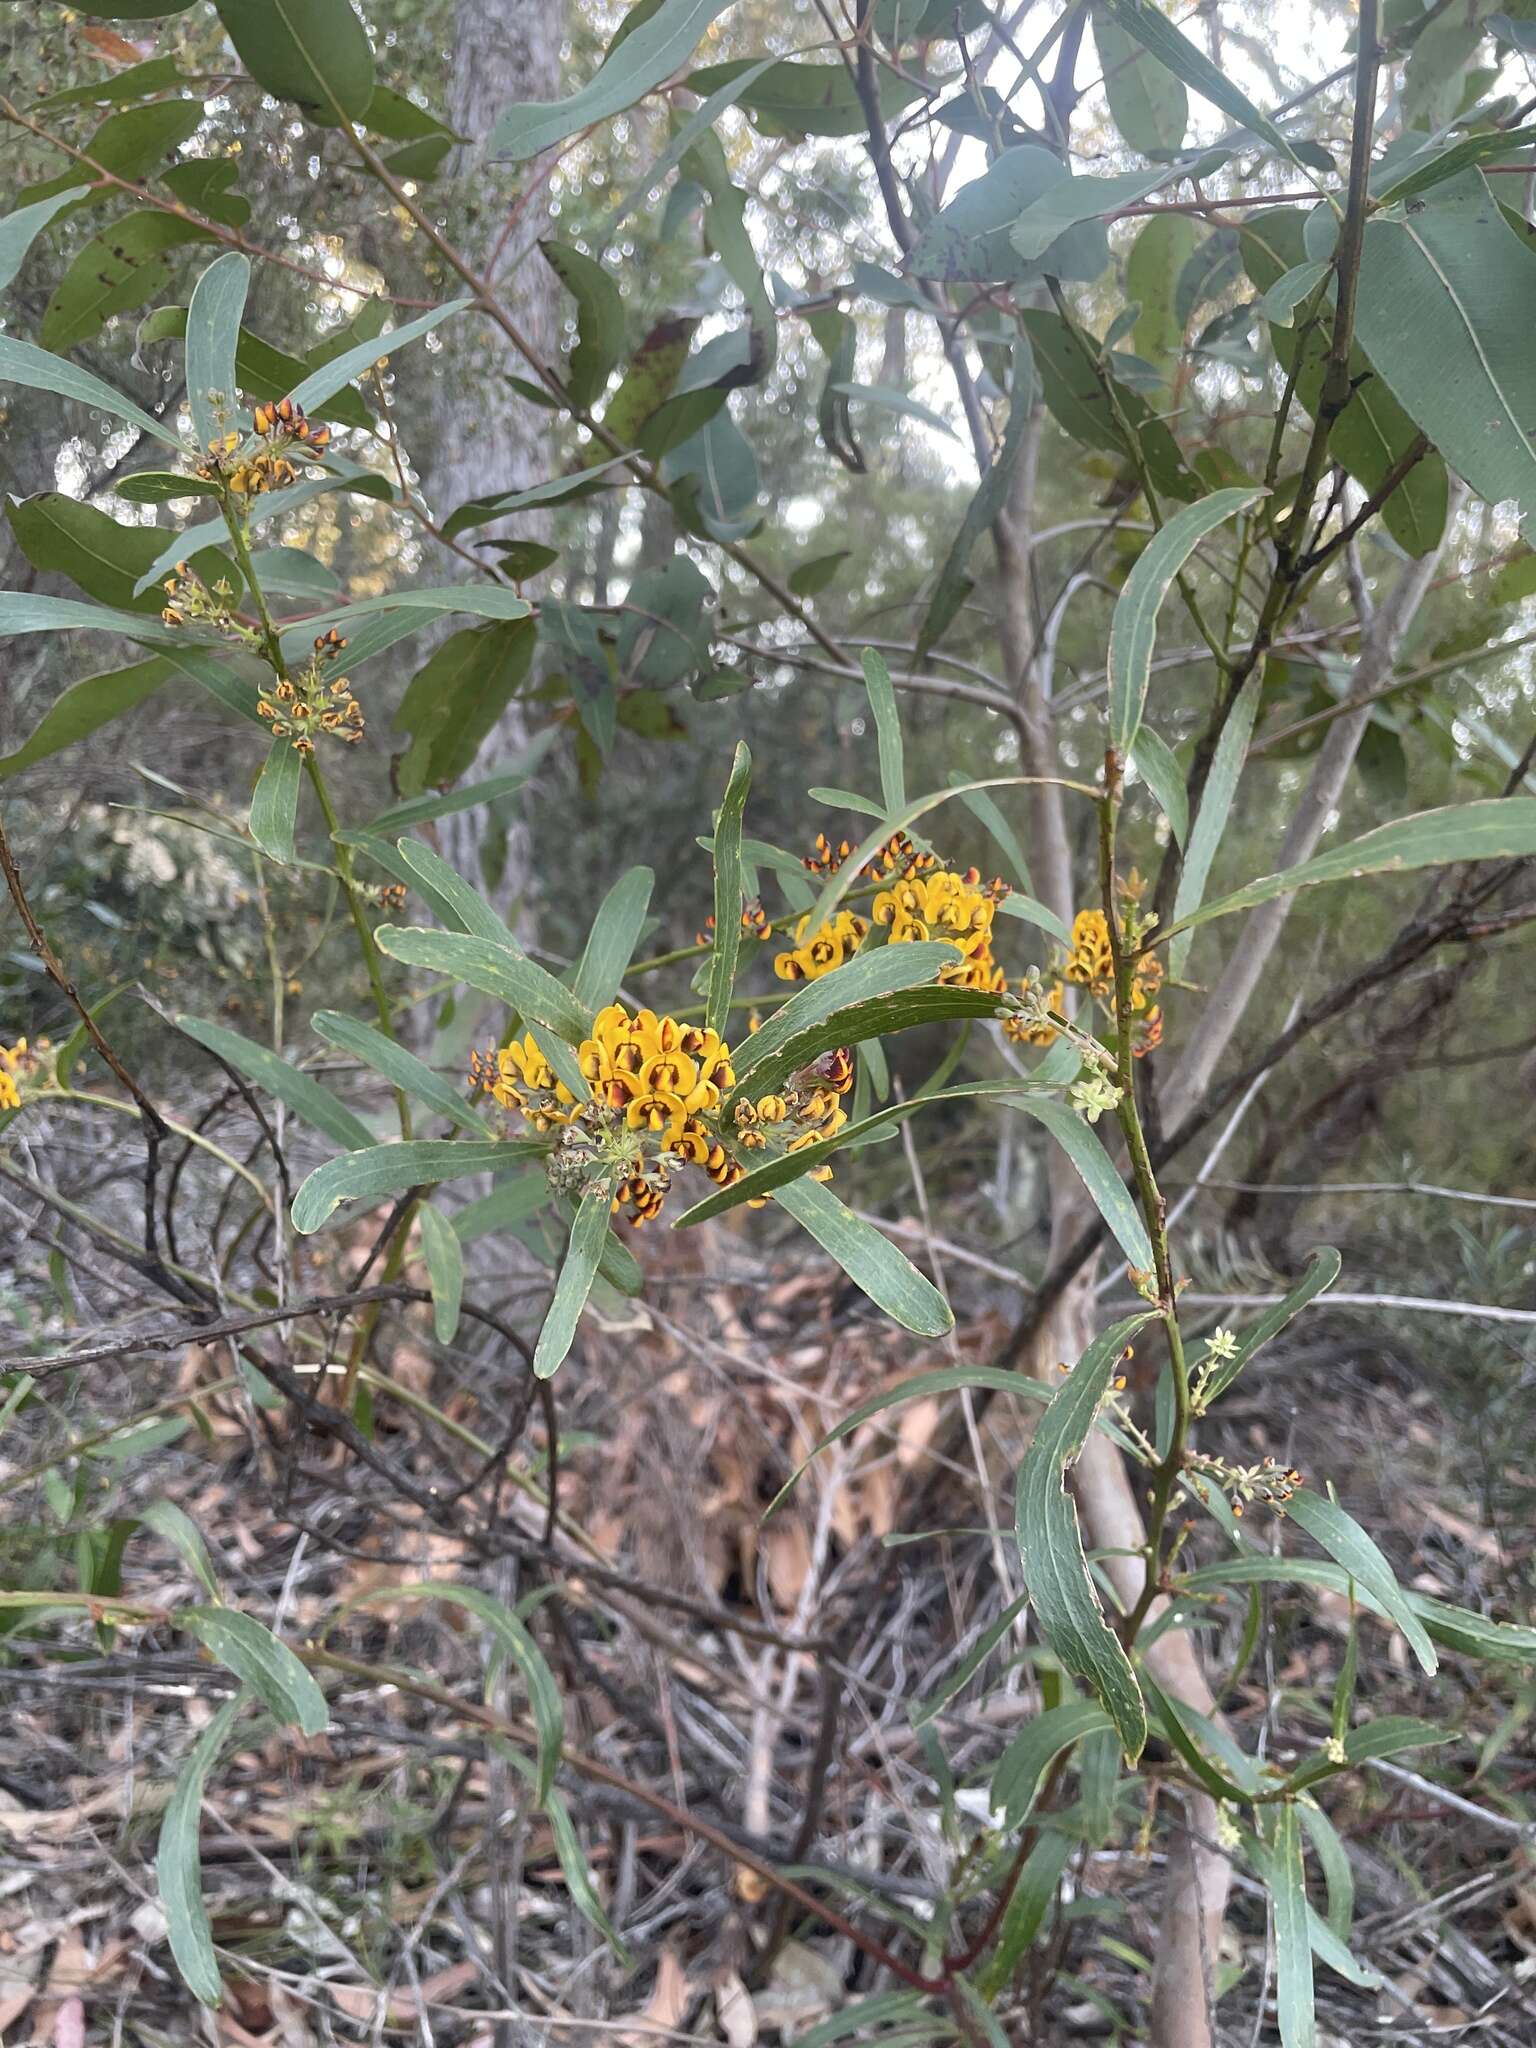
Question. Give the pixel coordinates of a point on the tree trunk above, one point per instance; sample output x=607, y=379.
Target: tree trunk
x=482, y=437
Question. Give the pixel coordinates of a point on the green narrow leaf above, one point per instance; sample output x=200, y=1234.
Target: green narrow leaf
x=1373, y=432
x=19, y=230
x=1147, y=103
x=698, y=123
x=275, y=802
x=728, y=893
x=314, y=52
x=179, y=1864
x=861, y=1024
x=303, y=1095
x=765, y=1179
x=920, y=1712
x=259, y=1660
x=572, y=1858
x=1293, y=1941
x=983, y=808
x=444, y=1254
x=1033, y=1897
x=599, y=321
x=1036, y=1746
x=422, y=810
x=759, y=1060
x=1279, y=303
x=1322, y=1270
x=323, y=383
x=369, y=1174
x=900, y=2011
x=400, y=1068
x=517, y=1198
x=1215, y=807
x=1133, y=625
x=869, y=1259
x=663, y=41
x=1176, y=53
x=84, y=708
x=1152, y=271
x=39, y=370
x=177, y=1528
x=1455, y=360
x=1073, y=199
x=511, y=977
x=1333, y=1858
x=882, y=702
x=512, y=1638
x=1158, y=766
x=947, y=1379
x=1094, y=1167
x=213, y=331
x=953, y=585
x=123, y=267
x=452, y=897
x=1494, y=828
x=1065, y=1600
x=588, y=1234
x=1348, y=1544
x=612, y=938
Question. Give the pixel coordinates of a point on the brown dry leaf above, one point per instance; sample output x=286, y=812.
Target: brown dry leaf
x=735, y=2011
x=669, y=1999
x=787, y=1553
x=115, y=48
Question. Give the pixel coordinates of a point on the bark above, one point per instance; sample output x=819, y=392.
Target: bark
x=483, y=438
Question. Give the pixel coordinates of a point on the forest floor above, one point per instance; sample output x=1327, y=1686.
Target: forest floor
x=729, y=1681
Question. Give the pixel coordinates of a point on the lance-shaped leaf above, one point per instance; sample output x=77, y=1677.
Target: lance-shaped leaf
x=39, y=370
x=1096, y=1170
x=1065, y=1601
x=795, y=97
x=179, y=1863
x=175, y=1527
x=452, y=704
x=379, y=1170
x=948, y=1379
x=869, y=1259
x=1454, y=356
x=1373, y=433
x=599, y=321
x=105, y=558
x=300, y=1092
x=763, y=1180
x=326, y=381
x=313, y=52
x=954, y=584
x=1287, y=1879
x=969, y=237
x=611, y=940
x=259, y=1660
x=213, y=333
x=400, y=1068
x=1070, y=200
x=558, y=490
x=1034, y=1749
x=728, y=893
x=456, y=903
x=443, y=1250
x=1142, y=21
x=1158, y=766
x=664, y=40
x=511, y=977
x=882, y=702
x=1322, y=1270
x=1348, y=1544
x=83, y=708
x=1494, y=828
x=1147, y=103
x=1215, y=808
x=1133, y=625
x=275, y=801
x=1070, y=385
x=19, y=230
x=125, y=265
x=844, y=1001
x=589, y=1233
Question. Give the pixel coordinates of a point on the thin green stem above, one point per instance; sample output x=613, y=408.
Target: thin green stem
x=1169, y=1471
